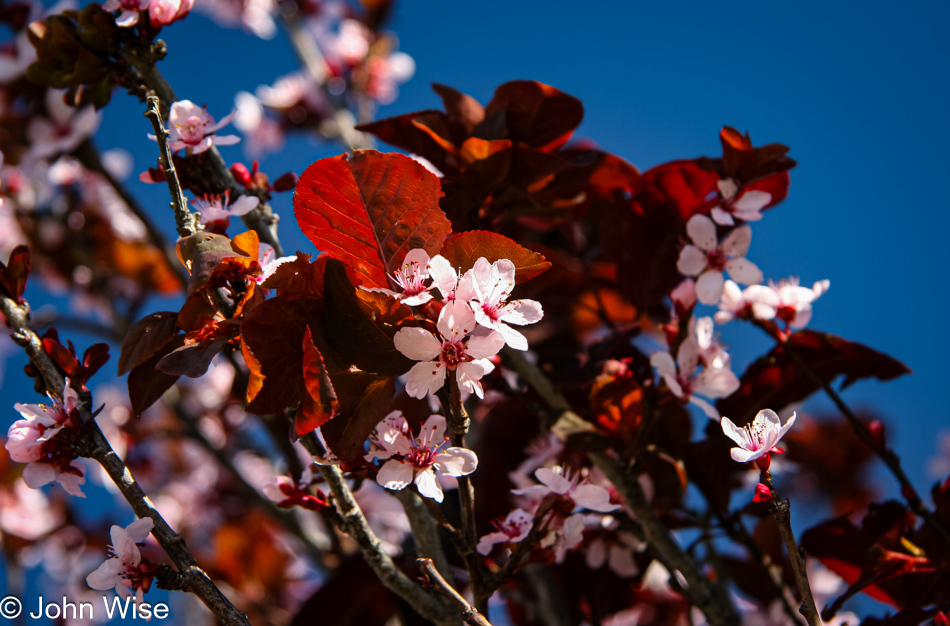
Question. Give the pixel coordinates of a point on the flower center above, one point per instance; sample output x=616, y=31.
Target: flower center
x=191, y=130
x=716, y=259
x=453, y=354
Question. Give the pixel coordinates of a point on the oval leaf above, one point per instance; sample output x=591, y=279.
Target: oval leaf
x=463, y=249
x=146, y=337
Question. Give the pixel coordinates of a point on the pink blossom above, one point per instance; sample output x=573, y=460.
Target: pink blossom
x=447, y=280
x=493, y=283
x=454, y=350
x=351, y=44
x=130, y=10
x=746, y=206
x=27, y=513
x=26, y=437
x=512, y=529
x=261, y=133
x=706, y=258
x=125, y=569
x=164, y=12
x=565, y=534
x=683, y=381
x=386, y=73
x=758, y=439
x=62, y=131
x=255, y=16
x=191, y=128
x=70, y=476
x=215, y=207
x=733, y=303
x=786, y=300
x=417, y=459
x=576, y=488
x=410, y=279
x=684, y=295
x=614, y=549
x=15, y=60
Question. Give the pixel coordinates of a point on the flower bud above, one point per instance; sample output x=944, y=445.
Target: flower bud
x=877, y=432
x=240, y=173
x=762, y=493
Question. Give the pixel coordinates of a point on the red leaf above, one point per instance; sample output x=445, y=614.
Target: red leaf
x=319, y=404
x=370, y=210
x=365, y=399
x=775, y=380
x=360, y=324
x=272, y=343
x=147, y=383
x=534, y=113
x=300, y=276
x=463, y=249
x=145, y=338
x=13, y=275
x=464, y=112
x=192, y=359
x=425, y=133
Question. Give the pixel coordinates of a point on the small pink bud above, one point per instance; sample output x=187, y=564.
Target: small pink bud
x=240, y=173
x=762, y=494
x=286, y=182
x=877, y=431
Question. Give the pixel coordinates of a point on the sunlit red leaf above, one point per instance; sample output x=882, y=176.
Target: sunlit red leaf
x=463, y=249
x=320, y=402
x=13, y=275
x=145, y=338
x=775, y=380
x=370, y=210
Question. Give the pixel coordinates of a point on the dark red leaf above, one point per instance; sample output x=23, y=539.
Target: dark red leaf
x=463, y=249
x=147, y=383
x=361, y=324
x=426, y=133
x=370, y=210
x=534, y=113
x=464, y=112
x=775, y=380
x=300, y=276
x=145, y=338
x=94, y=358
x=13, y=275
x=193, y=359
x=320, y=402
x=365, y=399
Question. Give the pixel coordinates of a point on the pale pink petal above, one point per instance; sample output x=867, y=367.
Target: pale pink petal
x=425, y=378
x=243, y=205
x=139, y=529
x=443, y=275
x=224, y=140
x=709, y=287
x=702, y=231
x=801, y=319
x=716, y=382
x=663, y=363
x=554, y=481
x=71, y=483
x=202, y=146
x=737, y=242
x=739, y=435
x=744, y=456
x=688, y=357
x=596, y=554
x=394, y=475
x=753, y=200
x=127, y=18
x=428, y=485
x=594, y=498
x=512, y=337
x=456, y=462
x=706, y=407
x=744, y=271
x=692, y=261
x=456, y=320
x=432, y=431
x=468, y=375
x=487, y=542
x=221, y=124
x=522, y=312
x=622, y=563
x=721, y=217
x=107, y=576
x=37, y=475
x=481, y=346
x=417, y=344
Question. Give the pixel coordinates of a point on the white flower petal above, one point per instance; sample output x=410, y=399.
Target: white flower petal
x=428, y=485
x=456, y=462
x=554, y=481
x=425, y=378
x=709, y=287
x=739, y=435
x=722, y=217
x=483, y=346
x=753, y=200
x=702, y=231
x=594, y=498
x=394, y=475
x=455, y=321
x=692, y=261
x=737, y=242
x=417, y=344
x=744, y=271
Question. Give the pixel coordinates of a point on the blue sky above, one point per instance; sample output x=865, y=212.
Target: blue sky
x=858, y=90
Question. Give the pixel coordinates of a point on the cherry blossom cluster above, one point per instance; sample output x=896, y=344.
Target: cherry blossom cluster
x=44, y=440
x=417, y=459
x=472, y=326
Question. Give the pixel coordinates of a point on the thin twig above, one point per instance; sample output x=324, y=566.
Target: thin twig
x=458, y=425
x=357, y=527
x=891, y=460
x=709, y=597
x=193, y=578
x=425, y=533
x=434, y=579
x=780, y=510
x=184, y=219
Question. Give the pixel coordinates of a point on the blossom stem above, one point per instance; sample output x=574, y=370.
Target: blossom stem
x=185, y=220
x=88, y=155
x=458, y=424
x=781, y=513
x=890, y=458
x=710, y=598
x=357, y=527
x=425, y=533
x=97, y=447
x=434, y=579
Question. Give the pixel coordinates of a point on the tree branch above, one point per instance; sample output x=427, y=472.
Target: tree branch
x=424, y=531
x=193, y=578
x=433, y=579
x=184, y=219
x=357, y=527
